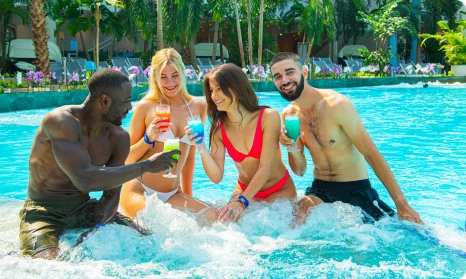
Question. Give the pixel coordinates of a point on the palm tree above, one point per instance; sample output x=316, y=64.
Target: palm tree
x=40, y=37
x=9, y=8
x=218, y=11
x=159, y=25
x=261, y=27
x=66, y=12
x=248, y=12
x=190, y=13
x=240, y=40
x=316, y=21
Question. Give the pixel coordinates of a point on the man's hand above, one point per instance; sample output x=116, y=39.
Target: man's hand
x=286, y=141
x=161, y=162
x=406, y=212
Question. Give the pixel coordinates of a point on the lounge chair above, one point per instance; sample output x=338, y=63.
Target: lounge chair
x=57, y=67
x=322, y=65
x=121, y=63
x=103, y=64
x=203, y=61
x=329, y=62
x=352, y=65
x=408, y=69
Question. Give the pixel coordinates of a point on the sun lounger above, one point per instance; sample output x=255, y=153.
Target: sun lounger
x=57, y=68
x=352, y=65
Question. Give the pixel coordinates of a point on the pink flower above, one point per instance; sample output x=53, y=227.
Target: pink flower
x=134, y=70
x=147, y=70
x=116, y=68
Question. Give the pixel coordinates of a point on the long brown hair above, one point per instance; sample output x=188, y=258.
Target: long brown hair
x=234, y=84
x=162, y=58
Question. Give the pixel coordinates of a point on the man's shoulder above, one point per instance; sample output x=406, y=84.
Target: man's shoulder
x=118, y=134
x=60, y=116
x=334, y=99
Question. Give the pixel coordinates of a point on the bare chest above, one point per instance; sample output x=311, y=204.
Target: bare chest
x=321, y=132
x=99, y=148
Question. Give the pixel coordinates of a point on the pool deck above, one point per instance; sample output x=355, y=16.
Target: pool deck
x=50, y=99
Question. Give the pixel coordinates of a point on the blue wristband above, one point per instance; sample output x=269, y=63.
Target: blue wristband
x=99, y=225
x=244, y=201
x=147, y=140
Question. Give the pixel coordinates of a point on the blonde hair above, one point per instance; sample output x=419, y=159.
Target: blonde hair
x=162, y=58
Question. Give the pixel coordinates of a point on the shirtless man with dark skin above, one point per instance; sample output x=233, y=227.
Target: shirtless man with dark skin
x=80, y=149
x=340, y=146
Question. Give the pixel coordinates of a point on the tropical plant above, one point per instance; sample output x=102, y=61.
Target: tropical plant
x=453, y=42
x=9, y=8
x=40, y=37
x=384, y=22
x=238, y=30
x=99, y=12
x=159, y=25
x=347, y=24
x=190, y=12
x=69, y=13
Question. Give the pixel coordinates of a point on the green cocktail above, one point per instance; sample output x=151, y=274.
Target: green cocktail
x=169, y=145
x=293, y=130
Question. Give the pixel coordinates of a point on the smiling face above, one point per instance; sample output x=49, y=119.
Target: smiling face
x=219, y=98
x=121, y=105
x=170, y=81
x=289, y=79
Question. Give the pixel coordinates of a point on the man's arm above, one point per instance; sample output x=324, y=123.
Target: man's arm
x=73, y=158
x=107, y=206
x=346, y=115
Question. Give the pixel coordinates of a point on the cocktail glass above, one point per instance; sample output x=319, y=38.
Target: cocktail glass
x=171, y=144
x=195, y=123
x=162, y=111
x=293, y=130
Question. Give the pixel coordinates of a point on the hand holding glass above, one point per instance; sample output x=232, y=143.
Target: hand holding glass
x=293, y=130
x=195, y=123
x=171, y=144
x=163, y=111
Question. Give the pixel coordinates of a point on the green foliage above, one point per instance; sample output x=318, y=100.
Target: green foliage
x=378, y=57
x=385, y=22
x=453, y=42
x=347, y=24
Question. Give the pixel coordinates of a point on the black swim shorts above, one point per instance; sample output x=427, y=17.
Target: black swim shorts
x=357, y=193
x=42, y=222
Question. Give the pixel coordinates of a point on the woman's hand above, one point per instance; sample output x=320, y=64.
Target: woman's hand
x=193, y=138
x=231, y=212
x=157, y=128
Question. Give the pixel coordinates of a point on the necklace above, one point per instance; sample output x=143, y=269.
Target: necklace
x=239, y=122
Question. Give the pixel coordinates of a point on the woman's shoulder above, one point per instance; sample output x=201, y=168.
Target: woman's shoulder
x=269, y=112
x=197, y=101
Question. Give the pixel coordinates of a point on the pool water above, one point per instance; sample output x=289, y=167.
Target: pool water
x=422, y=134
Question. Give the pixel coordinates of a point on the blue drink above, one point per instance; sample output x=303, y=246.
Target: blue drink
x=195, y=123
x=293, y=130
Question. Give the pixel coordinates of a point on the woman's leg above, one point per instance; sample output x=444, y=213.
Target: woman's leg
x=182, y=201
x=132, y=198
x=288, y=191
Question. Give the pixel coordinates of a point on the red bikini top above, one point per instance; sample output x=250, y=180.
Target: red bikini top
x=256, y=148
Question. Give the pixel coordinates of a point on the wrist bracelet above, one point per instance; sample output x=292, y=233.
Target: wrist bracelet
x=244, y=201
x=99, y=225
x=147, y=140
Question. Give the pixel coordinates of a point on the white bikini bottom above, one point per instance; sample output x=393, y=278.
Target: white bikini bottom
x=161, y=195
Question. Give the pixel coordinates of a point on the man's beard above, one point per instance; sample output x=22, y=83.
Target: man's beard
x=296, y=94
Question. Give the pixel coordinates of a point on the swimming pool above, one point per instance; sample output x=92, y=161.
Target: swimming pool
x=421, y=132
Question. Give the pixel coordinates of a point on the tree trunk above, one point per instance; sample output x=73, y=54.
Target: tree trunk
x=251, y=62
x=97, y=32
x=192, y=53
x=185, y=55
x=159, y=25
x=83, y=43
x=112, y=49
x=3, y=42
x=221, y=46
x=40, y=37
x=261, y=26
x=309, y=49
x=240, y=40
x=214, y=48
x=304, y=42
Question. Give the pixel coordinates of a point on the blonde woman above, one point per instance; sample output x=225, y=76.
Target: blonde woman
x=167, y=86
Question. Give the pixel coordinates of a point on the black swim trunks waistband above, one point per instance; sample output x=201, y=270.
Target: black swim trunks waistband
x=341, y=185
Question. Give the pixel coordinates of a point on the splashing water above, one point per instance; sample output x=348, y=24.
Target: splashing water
x=420, y=132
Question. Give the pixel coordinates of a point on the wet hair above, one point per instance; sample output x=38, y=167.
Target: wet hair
x=285, y=56
x=162, y=58
x=106, y=81
x=234, y=84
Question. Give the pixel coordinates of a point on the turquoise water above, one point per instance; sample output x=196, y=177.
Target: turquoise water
x=422, y=134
